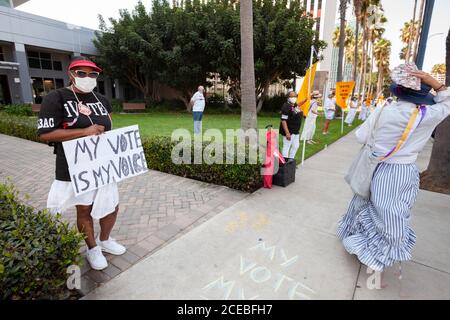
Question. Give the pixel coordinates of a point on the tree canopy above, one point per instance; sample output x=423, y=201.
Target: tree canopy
x=180, y=45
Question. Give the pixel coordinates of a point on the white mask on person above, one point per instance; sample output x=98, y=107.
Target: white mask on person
x=292, y=100
x=85, y=84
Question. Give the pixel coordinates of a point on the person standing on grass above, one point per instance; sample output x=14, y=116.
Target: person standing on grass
x=377, y=230
x=291, y=121
x=310, y=122
x=352, y=112
x=198, y=107
x=329, y=109
x=70, y=113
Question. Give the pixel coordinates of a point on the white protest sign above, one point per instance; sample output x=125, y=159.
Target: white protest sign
x=96, y=161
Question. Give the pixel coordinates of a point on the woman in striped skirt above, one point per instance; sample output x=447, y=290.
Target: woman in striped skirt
x=377, y=230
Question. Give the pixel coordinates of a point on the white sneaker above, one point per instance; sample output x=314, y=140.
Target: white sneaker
x=96, y=258
x=111, y=246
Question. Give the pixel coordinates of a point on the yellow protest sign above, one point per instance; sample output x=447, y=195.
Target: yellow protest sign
x=343, y=92
x=305, y=92
x=369, y=100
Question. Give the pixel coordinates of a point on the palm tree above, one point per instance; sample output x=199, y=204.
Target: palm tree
x=375, y=33
x=366, y=5
x=248, y=109
x=357, y=7
x=349, y=43
x=342, y=30
x=412, y=33
x=382, y=52
x=407, y=34
x=439, y=68
x=348, y=37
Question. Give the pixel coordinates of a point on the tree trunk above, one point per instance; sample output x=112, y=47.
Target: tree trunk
x=355, y=60
x=342, y=10
x=371, y=70
x=380, y=79
x=437, y=176
x=411, y=29
x=418, y=32
x=363, y=58
x=248, y=110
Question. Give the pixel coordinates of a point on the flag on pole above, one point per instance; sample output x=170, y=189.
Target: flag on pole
x=305, y=92
x=343, y=92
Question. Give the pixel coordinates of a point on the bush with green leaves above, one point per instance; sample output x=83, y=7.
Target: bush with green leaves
x=36, y=250
x=245, y=177
x=19, y=126
x=17, y=109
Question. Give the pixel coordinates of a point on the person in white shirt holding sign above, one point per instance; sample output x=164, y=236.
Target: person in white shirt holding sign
x=377, y=230
x=329, y=109
x=198, y=107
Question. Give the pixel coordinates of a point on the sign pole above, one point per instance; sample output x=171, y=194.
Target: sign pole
x=308, y=97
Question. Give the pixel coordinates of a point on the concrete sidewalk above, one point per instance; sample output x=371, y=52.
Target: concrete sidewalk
x=281, y=244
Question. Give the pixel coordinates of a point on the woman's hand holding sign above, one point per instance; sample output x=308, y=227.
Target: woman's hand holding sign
x=94, y=130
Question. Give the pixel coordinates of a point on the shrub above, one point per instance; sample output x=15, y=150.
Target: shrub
x=116, y=105
x=19, y=126
x=18, y=109
x=245, y=177
x=274, y=104
x=37, y=248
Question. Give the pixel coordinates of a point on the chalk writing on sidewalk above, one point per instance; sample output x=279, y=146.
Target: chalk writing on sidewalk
x=263, y=269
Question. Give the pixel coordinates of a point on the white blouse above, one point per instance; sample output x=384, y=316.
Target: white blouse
x=393, y=121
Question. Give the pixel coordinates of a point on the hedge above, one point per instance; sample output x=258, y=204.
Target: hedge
x=19, y=126
x=245, y=177
x=36, y=250
x=17, y=109
x=158, y=150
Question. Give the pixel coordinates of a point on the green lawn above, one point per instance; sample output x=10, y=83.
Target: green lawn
x=162, y=124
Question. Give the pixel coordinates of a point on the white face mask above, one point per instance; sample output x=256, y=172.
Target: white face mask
x=85, y=84
x=292, y=100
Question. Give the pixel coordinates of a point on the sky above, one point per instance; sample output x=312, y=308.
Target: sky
x=396, y=11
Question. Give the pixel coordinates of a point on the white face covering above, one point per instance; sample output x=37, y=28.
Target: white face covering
x=85, y=84
x=292, y=100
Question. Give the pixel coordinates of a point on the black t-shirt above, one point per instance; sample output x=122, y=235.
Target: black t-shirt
x=293, y=117
x=59, y=110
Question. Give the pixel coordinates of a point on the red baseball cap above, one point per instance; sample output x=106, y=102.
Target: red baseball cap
x=84, y=63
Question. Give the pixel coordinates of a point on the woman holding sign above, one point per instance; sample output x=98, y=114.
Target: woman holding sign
x=70, y=113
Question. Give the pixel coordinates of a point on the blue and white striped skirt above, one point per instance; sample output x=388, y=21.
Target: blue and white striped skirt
x=377, y=230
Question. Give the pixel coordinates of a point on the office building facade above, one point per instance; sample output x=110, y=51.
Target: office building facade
x=35, y=53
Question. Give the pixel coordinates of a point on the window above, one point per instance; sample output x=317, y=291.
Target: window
x=57, y=65
x=42, y=86
x=49, y=85
x=59, y=83
x=2, y=57
x=46, y=64
x=43, y=60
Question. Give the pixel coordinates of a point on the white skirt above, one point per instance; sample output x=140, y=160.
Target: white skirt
x=103, y=200
x=309, y=128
